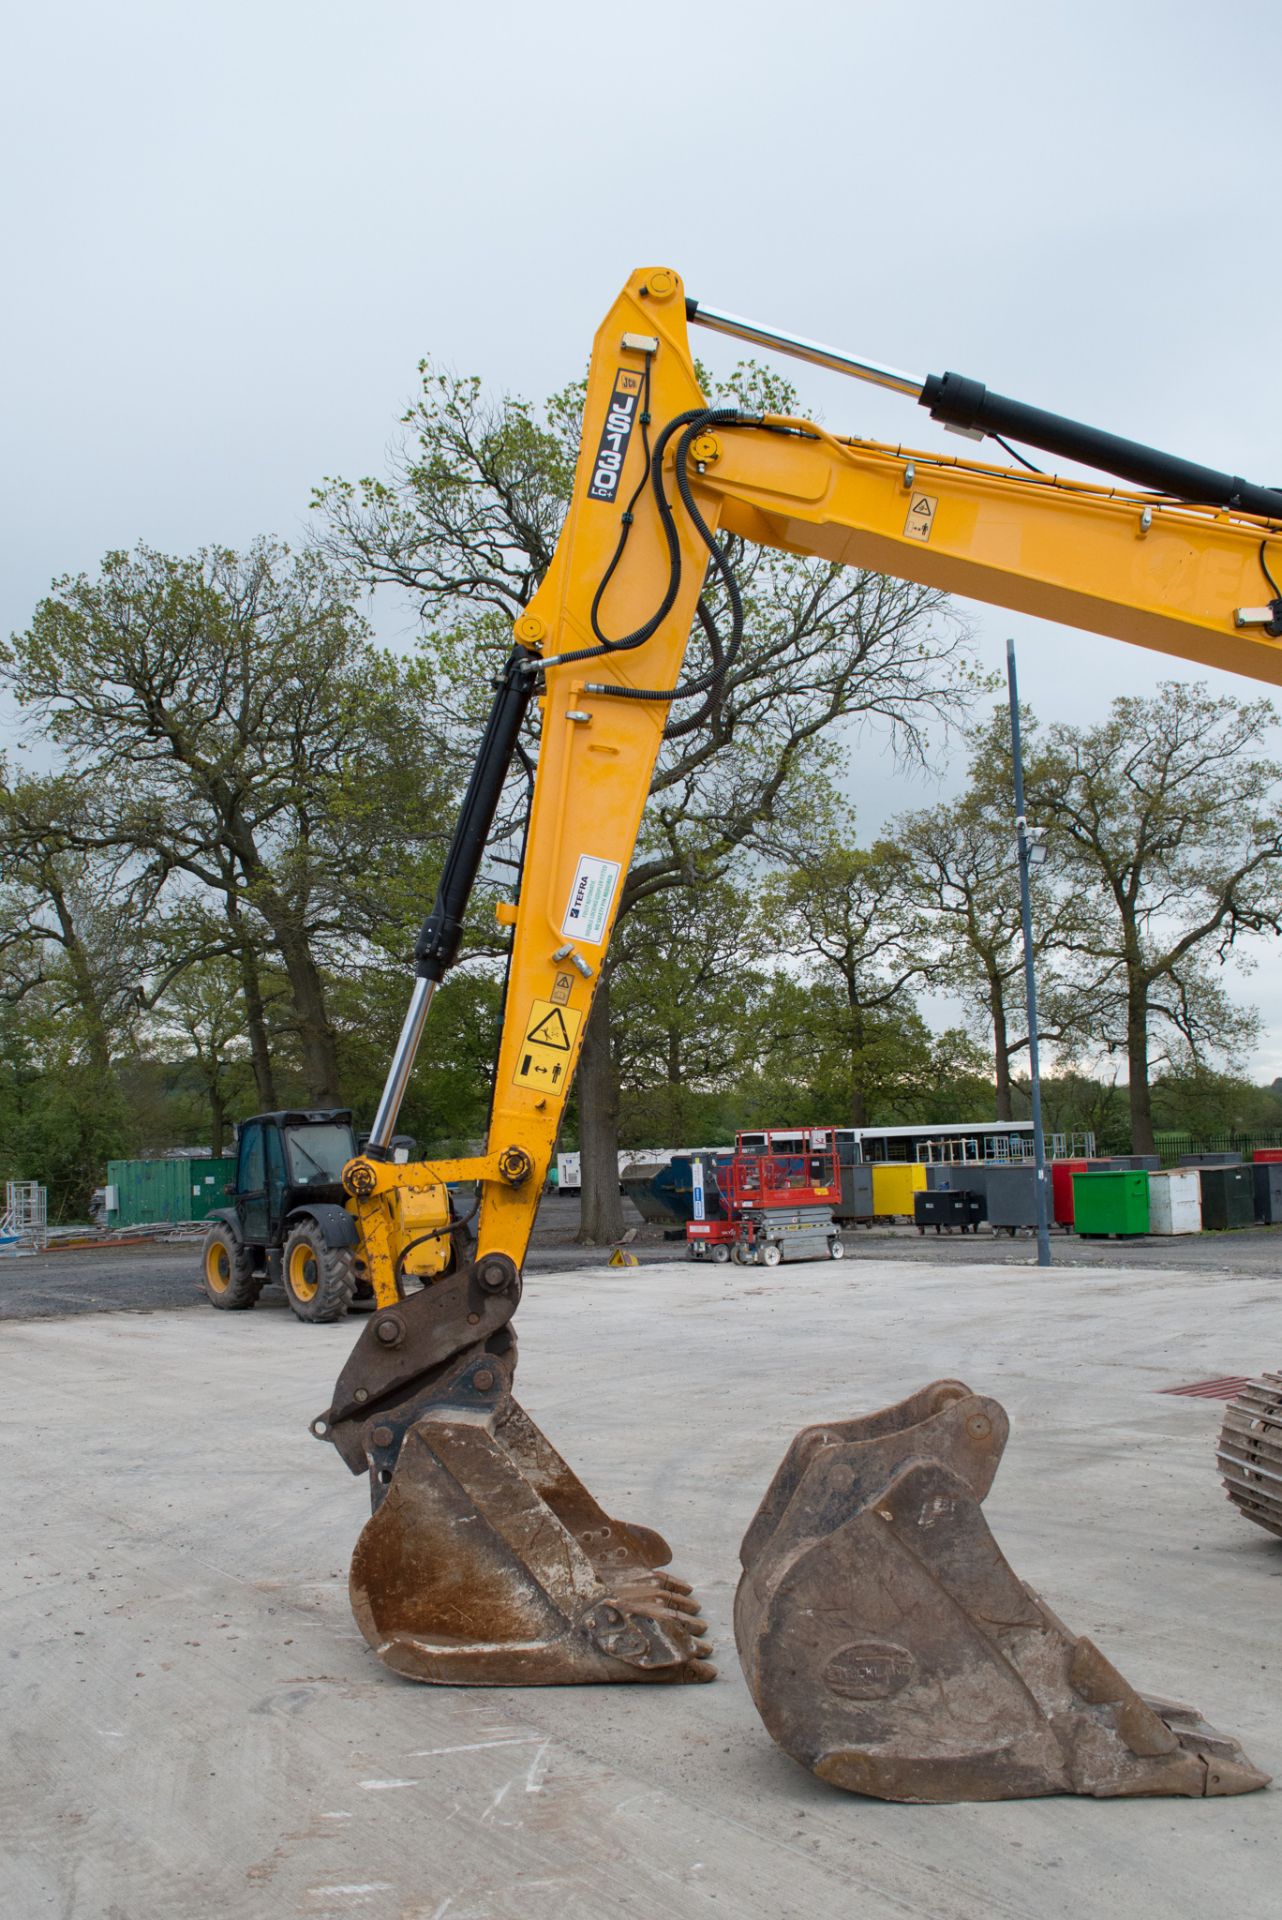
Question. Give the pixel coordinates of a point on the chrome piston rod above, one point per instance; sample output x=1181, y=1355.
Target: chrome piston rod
x=398, y=1074
x=966, y=406
x=776, y=341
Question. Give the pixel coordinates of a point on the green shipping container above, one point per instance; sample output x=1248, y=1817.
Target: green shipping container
x=147, y=1190
x=1115, y=1201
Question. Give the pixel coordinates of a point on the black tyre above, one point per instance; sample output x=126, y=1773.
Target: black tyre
x=319, y=1280
x=720, y=1252
x=227, y=1271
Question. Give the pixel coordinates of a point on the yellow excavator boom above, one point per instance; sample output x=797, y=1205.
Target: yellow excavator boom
x=485, y=1559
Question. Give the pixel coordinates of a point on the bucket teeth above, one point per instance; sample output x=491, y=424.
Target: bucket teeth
x=890, y=1648
x=488, y=1563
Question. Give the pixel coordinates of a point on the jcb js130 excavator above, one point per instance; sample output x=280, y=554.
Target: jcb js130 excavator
x=888, y=1645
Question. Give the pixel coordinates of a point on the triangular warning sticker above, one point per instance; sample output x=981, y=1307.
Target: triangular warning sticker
x=550, y=1032
x=923, y=507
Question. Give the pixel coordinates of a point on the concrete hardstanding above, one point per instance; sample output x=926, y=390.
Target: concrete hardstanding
x=196, y=1728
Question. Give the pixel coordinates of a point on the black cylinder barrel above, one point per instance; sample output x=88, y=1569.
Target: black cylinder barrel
x=960, y=402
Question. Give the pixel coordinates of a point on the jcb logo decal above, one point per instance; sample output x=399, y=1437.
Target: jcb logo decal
x=625, y=404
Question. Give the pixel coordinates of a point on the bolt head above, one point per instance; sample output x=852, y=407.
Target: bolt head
x=389, y=1331
x=382, y=1437
x=483, y=1380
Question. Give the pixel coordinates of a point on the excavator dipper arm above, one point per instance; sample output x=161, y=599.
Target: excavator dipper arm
x=486, y=1560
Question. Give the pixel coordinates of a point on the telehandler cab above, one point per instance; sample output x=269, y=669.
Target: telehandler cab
x=887, y=1644
x=289, y=1220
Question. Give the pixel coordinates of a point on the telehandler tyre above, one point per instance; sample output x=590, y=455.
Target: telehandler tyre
x=319, y=1280
x=227, y=1271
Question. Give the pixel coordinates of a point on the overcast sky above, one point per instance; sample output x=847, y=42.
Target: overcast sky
x=232, y=230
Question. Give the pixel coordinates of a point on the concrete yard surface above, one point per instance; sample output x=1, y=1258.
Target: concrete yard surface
x=194, y=1728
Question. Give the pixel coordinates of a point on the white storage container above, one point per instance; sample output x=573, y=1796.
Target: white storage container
x=1175, y=1201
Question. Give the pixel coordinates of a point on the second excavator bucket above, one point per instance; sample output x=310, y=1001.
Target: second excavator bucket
x=488, y=1563
x=892, y=1651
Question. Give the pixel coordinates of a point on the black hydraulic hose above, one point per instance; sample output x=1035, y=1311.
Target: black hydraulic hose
x=650, y=627
x=694, y=424
x=451, y=1226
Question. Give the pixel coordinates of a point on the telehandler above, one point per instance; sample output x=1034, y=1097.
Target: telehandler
x=887, y=1643
x=289, y=1222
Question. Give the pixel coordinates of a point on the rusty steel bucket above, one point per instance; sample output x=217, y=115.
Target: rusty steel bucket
x=891, y=1650
x=485, y=1561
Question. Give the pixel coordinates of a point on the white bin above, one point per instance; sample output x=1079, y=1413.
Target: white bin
x=1175, y=1201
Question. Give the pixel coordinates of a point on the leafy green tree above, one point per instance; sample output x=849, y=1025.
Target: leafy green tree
x=804, y=1070
x=241, y=734
x=70, y=920
x=1168, y=816
x=447, y=1105
x=1201, y=1102
x=686, y=1002
x=961, y=880
x=1074, y=1102
x=465, y=524
x=846, y=911
x=202, y=1014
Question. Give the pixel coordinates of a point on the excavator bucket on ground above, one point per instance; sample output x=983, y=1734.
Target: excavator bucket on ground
x=1250, y=1452
x=892, y=1651
x=486, y=1562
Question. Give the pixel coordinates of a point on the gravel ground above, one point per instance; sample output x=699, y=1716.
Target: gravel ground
x=147, y=1278
x=194, y=1728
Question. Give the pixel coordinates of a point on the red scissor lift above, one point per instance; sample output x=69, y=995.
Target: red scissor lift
x=778, y=1189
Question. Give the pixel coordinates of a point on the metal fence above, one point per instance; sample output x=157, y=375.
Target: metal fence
x=1171, y=1145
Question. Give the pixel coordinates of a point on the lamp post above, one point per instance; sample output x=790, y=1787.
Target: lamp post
x=1031, y=853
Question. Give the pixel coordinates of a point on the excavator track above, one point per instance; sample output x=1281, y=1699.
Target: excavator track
x=891, y=1650
x=1250, y=1452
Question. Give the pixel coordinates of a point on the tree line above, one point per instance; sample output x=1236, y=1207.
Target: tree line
x=216, y=856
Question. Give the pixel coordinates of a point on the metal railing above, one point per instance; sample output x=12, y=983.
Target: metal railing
x=24, y=1224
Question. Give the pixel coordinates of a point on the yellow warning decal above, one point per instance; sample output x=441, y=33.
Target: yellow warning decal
x=544, y=1059
x=921, y=516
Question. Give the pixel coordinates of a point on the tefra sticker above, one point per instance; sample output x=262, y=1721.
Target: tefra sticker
x=625, y=403
x=591, y=897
